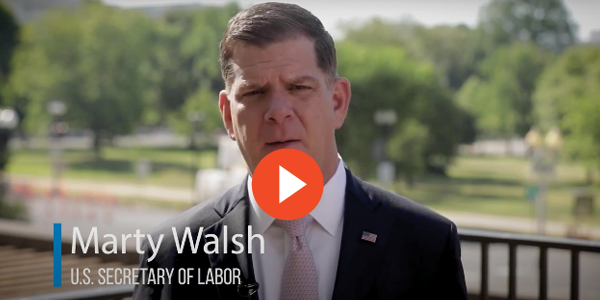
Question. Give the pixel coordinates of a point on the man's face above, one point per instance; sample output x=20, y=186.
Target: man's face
x=279, y=98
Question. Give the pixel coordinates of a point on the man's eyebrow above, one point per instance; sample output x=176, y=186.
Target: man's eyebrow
x=245, y=85
x=303, y=79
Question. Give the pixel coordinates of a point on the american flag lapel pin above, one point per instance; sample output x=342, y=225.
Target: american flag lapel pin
x=369, y=237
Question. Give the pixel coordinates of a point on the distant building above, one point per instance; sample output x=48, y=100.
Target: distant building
x=595, y=37
x=28, y=10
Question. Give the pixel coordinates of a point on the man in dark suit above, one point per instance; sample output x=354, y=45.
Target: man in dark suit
x=360, y=242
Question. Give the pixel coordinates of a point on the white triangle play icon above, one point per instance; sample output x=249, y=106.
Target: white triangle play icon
x=288, y=184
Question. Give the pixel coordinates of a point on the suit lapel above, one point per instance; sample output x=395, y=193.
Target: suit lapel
x=234, y=210
x=359, y=259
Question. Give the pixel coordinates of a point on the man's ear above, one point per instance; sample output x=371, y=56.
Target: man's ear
x=225, y=108
x=341, y=99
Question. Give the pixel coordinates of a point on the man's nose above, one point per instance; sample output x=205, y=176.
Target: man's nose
x=280, y=107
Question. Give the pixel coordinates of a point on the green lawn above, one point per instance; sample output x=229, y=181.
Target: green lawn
x=497, y=186
x=475, y=184
x=169, y=167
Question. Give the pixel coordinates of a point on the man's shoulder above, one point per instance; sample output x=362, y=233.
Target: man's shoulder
x=406, y=210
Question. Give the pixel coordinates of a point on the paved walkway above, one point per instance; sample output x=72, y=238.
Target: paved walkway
x=113, y=188
x=462, y=219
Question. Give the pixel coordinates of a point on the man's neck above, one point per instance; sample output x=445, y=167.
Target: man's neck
x=331, y=168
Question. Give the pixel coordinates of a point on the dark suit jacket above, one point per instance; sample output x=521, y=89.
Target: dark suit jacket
x=416, y=254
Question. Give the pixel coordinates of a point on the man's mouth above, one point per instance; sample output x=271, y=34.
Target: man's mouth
x=280, y=143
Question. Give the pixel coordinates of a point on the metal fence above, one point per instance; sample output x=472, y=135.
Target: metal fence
x=483, y=237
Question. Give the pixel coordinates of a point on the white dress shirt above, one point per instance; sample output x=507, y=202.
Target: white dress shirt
x=324, y=238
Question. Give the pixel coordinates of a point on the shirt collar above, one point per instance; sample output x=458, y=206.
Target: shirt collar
x=328, y=213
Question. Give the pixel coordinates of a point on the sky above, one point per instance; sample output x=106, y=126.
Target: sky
x=427, y=12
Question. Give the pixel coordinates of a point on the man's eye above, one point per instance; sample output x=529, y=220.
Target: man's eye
x=300, y=87
x=252, y=93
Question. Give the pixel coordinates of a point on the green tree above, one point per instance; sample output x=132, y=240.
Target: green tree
x=501, y=95
x=547, y=23
x=186, y=74
x=406, y=148
x=386, y=77
x=186, y=58
x=203, y=101
x=95, y=60
x=377, y=31
x=455, y=51
x=9, y=31
x=568, y=96
x=445, y=123
x=9, y=38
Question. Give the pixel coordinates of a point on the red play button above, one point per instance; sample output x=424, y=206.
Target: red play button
x=287, y=184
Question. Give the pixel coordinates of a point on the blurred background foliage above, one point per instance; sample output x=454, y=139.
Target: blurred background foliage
x=118, y=70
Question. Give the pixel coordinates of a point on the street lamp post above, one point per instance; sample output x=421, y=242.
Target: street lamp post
x=385, y=120
x=8, y=121
x=195, y=118
x=544, y=156
x=57, y=128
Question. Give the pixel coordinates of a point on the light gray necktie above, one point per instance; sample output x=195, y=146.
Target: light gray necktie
x=299, y=280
